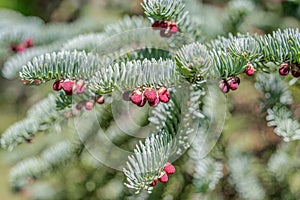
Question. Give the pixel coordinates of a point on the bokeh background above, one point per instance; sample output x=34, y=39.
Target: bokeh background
x=245, y=125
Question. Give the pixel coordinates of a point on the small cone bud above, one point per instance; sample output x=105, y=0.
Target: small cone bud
x=100, y=99
x=13, y=47
x=249, y=69
x=80, y=87
x=169, y=168
x=295, y=70
x=126, y=95
x=28, y=43
x=29, y=140
x=57, y=85
x=68, y=86
x=68, y=115
x=224, y=87
x=137, y=96
x=37, y=81
x=233, y=82
x=173, y=28
x=166, y=34
x=156, y=25
x=20, y=47
x=164, y=178
x=150, y=94
x=164, y=95
x=284, y=69
x=163, y=25
x=154, y=182
x=80, y=105
x=89, y=105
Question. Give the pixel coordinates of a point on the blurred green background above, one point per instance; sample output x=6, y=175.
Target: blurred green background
x=15, y=98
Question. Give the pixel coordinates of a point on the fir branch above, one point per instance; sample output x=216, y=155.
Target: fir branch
x=243, y=178
x=33, y=168
x=282, y=162
x=274, y=88
x=207, y=174
x=41, y=117
x=133, y=74
x=284, y=122
x=147, y=162
x=281, y=46
x=61, y=65
x=13, y=65
x=19, y=132
x=278, y=99
x=163, y=9
x=193, y=62
x=231, y=54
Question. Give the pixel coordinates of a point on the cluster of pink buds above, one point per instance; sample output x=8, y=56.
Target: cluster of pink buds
x=86, y=104
x=168, y=169
x=249, y=70
x=70, y=86
x=89, y=104
x=22, y=46
x=285, y=69
x=166, y=28
x=140, y=97
x=231, y=83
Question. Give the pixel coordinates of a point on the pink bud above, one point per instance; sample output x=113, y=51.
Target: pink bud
x=233, y=82
x=295, y=71
x=284, y=69
x=224, y=86
x=154, y=182
x=89, y=105
x=80, y=105
x=20, y=47
x=164, y=95
x=173, y=28
x=169, y=168
x=100, y=99
x=249, y=69
x=57, y=85
x=80, y=87
x=28, y=43
x=150, y=94
x=164, y=178
x=163, y=24
x=137, y=96
x=156, y=25
x=37, y=81
x=126, y=95
x=68, y=86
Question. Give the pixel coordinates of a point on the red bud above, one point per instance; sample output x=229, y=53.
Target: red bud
x=57, y=85
x=150, y=94
x=164, y=178
x=169, y=168
x=164, y=95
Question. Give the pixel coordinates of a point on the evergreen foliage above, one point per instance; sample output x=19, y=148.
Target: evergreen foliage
x=182, y=71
